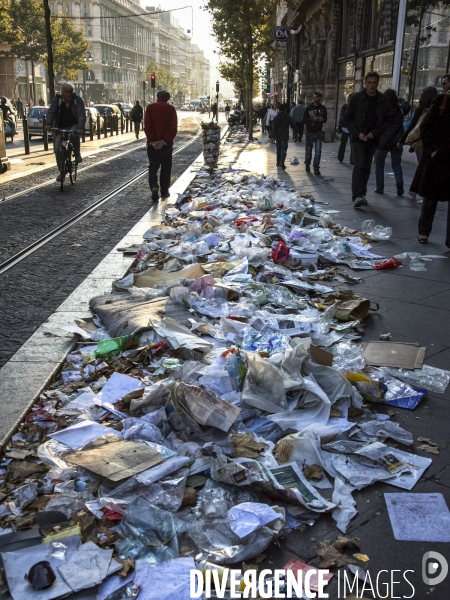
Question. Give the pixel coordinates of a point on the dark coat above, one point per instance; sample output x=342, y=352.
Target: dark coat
x=432, y=172
x=391, y=137
x=280, y=127
x=136, y=113
x=356, y=115
x=312, y=111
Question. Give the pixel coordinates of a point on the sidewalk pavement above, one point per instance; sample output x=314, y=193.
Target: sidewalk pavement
x=414, y=307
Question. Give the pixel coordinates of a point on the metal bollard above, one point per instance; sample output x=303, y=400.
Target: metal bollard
x=45, y=132
x=26, y=139
x=127, y=119
x=91, y=128
x=99, y=130
x=121, y=123
x=83, y=137
x=105, y=126
x=117, y=125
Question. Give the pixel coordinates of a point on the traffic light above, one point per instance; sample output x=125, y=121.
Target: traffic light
x=153, y=80
x=217, y=86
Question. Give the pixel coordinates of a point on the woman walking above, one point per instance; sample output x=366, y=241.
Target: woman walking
x=389, y=142
x=429, y=93
x=433, y=187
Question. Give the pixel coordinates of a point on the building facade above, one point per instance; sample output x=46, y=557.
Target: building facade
x=334, y=43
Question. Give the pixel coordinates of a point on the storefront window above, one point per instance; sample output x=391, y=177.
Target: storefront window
x=425, y=52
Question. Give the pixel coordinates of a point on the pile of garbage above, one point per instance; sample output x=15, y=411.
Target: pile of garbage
x=219, y=398
x=211, y=142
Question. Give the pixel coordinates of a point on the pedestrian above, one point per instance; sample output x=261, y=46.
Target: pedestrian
x=297, y=114
x=19, y=106
x=280, y=132
x=405, y=106
x=345, y=134
x=368, y=116
x=314, y=117
x=227, y=111
x=136, y=115
x=30, y=104
x=270, y=116
x=389, y=142
x=214, y=111
x=412, y=135
x=435, y=135
x=6, y=110
x=262, y=117
x=67, y=111
x=41, y=102
x=160, y=125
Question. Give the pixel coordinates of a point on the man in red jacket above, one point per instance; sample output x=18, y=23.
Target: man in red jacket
x=160, y=126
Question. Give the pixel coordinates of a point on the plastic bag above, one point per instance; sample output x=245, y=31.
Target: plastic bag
x=381, y=233
x=281, y=253
x=430, y=378
x=294, y=161
x=390, y=263
x=264, y=386
x=348, y=356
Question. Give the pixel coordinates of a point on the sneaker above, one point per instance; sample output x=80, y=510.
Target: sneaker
x=379, y=191
x=78, y=159
x=317, y=173
x=400, y=189
x=359, y=201
x=308, y=169
x=155, y=194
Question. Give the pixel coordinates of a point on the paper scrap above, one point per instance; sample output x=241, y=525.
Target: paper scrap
x=419, y=517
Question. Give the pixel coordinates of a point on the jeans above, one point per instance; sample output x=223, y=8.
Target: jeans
x=299, y=136
x=427, y=213
x=363, y=155
x=419, y=154
x=160, y=158
x=341, y=152
x=316, y=140
x=396, y=162
x=282, y=146
x=137, y=127
x=74, y=138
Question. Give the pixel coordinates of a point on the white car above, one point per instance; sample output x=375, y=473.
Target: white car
x=93, y=112
x=186, y=107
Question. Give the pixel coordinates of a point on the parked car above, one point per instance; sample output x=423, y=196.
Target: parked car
x=34, y=118
x=93, y=112
x=110, y=112
x=125, y=107
x=186, y=107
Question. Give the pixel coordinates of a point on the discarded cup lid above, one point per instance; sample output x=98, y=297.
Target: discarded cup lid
x=41, y=575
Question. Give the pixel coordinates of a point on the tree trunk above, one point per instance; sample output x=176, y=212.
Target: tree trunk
x=249, y=61
x=50, y=68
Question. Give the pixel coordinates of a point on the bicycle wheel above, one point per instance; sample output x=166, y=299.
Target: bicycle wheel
x=62, y=165
x=73, y=173
x=71, y=166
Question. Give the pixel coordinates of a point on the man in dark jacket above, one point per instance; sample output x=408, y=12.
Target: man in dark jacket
x=136, y=115
x=368, y=116
x=314, y=117
x=280, y=132
x=160, y=125
x=389, y=142
x=67, y=111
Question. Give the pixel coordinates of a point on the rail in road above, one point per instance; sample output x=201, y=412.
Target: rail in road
x=55, y=232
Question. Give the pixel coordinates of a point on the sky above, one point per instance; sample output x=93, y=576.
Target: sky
x=201, y=32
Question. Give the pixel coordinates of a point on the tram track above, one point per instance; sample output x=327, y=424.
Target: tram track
x=18, y=257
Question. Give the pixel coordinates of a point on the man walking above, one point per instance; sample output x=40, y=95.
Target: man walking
x=136, y=115
x=367, y=117
x=314, y=117
x=297, y=114
x=19, y=107
x=160, y=126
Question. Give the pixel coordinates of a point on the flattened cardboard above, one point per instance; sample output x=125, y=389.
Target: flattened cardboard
x=153, y=277
x=320, y=356
x=394, y=354
x=115, y=460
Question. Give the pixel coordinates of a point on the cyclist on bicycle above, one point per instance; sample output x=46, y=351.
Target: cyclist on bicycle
x=67, y=112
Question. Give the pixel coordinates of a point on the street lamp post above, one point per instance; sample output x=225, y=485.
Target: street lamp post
x=87, y=58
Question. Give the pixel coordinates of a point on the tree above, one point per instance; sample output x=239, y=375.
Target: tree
x=22, y=28
x=242, y=30
x=69, y=49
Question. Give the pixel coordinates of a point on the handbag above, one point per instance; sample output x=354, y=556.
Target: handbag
x=413, y=139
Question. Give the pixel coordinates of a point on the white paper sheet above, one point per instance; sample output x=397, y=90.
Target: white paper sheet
x=118, y=386
x=250, y=516
x=419, y=517
x=167, y=581
x=80, y=434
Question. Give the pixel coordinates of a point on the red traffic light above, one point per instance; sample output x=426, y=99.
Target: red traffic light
x=153, y=80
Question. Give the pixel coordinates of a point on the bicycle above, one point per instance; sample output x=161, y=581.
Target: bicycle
x=66, y=161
